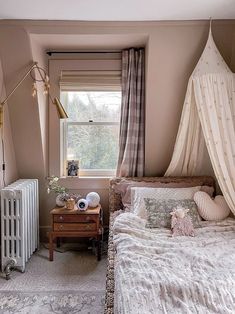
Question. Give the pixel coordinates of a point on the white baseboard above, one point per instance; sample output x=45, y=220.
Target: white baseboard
x=44, y=227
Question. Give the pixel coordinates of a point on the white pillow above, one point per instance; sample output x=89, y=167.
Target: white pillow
x=210, y=209
x=138, y=194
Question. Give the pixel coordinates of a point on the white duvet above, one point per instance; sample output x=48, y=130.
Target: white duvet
x=156, y=273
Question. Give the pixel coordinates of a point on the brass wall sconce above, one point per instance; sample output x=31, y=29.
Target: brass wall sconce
x=45, y=80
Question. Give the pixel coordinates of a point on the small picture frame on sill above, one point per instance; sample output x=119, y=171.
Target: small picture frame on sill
x=72, y=168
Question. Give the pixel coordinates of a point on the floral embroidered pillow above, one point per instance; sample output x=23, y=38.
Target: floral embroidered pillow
x=158, y=212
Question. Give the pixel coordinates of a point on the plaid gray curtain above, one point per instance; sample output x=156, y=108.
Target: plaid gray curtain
x=132, y=124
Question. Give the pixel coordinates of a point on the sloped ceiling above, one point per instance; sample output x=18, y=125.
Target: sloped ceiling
x=114, y=10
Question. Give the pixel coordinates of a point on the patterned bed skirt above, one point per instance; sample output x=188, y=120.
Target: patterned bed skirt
x=109, y=297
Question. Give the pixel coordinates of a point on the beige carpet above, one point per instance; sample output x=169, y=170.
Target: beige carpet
x=73, y=283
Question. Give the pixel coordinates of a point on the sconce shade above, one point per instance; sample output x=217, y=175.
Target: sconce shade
x=60, y=109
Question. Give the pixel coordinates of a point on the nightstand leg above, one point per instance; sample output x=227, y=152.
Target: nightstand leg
x=51, y=247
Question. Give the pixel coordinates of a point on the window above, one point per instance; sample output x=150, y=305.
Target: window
x=91, y=133
x=89, y=87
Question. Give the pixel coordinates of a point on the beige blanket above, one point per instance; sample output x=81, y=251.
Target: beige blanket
x=156, y=273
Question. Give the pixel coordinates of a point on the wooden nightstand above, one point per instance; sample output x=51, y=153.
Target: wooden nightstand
x=76, y=223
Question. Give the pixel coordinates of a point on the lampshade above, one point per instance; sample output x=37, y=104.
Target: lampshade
x=60, y=109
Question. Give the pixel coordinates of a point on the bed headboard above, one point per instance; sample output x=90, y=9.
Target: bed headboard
x=115, y=201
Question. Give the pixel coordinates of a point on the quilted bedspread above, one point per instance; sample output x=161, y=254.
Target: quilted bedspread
x=157, y=273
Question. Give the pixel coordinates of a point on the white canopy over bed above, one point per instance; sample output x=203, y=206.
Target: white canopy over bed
x=208, y=121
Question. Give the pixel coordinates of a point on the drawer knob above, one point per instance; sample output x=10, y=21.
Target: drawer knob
x=87, y=218
x=61, y=227
x=88, y=227
x=61, y=218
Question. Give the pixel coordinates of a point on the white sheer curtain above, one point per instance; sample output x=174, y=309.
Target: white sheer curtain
x=215, y=99
x=190, y=147
x=208, y=121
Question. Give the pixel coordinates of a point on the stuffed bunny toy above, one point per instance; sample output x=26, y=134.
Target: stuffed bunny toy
x=181, y=223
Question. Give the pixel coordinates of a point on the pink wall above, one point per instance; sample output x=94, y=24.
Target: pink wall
x=11, y=173
x=16, y=56
x=172, y=51
x=38, y=55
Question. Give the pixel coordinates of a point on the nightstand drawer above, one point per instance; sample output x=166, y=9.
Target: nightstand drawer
x=75, y=226
x=75, y=218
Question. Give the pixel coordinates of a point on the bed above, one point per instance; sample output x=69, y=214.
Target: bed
x=151, y=272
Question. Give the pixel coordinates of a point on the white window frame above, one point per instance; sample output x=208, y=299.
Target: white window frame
x=64, y=135
x=94, y=63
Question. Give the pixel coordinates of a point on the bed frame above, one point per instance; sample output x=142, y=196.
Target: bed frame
x=115, y=203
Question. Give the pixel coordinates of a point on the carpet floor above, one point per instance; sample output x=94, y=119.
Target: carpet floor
x=73, y=283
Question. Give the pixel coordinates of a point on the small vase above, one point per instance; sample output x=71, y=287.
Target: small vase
x=70, y=203
x=59, y=200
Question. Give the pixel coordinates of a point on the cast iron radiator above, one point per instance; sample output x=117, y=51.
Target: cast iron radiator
x=19, y=224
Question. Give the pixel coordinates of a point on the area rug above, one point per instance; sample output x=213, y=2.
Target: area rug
x=69, y=302
x=73, y=283
x=70, y=271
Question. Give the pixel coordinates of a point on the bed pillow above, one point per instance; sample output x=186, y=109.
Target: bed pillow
x=159, y=212
x=138, y=194
x=124, y=188
x=210, y=209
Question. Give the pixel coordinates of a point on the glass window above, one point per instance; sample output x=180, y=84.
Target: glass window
x=91, y=133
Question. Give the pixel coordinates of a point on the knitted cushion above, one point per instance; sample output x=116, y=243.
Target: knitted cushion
x=210, y=209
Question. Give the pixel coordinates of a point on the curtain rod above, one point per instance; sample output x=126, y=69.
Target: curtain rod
x=49, y=53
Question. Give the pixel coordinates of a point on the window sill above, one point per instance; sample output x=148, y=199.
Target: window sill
x=86, y=177
x=86, y=182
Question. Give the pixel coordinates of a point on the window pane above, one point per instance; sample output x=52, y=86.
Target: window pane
x=95, y=146
x=97, y=106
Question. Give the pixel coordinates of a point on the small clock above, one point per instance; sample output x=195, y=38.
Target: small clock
x=82, y=204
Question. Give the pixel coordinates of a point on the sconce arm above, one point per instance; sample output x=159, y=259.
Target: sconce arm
x=19, y=83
